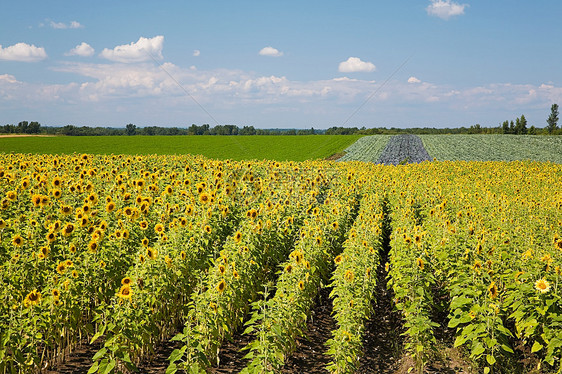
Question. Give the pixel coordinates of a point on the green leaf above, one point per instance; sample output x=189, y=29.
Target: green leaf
x=172, y=369
x=491, y=360
x=477, y=350
x=94, y=368
x=175, y=355
x=536, y=347
x=96, y=336
x=99, y=354
x=109, y=367
x=486, y=370
x=506, y=348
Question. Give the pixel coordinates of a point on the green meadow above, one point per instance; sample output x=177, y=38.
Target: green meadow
x=280, y=147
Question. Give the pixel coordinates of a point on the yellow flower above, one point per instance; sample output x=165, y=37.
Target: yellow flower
x=151, y=253
x=492, y=290
x=32, y=298
x=542, y=285
x=221, y=286
x=17, y=240
x=420, y=263
x=125, y=292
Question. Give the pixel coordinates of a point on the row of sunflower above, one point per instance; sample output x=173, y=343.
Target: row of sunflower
x=124, y=251
x=247, y=260
x=499, y=245
x=280, y=318
x=81, y=236
x=411, y=271
x=354, y=281
x=493, y=247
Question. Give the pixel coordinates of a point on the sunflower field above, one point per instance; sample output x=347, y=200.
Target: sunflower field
x=126, y=253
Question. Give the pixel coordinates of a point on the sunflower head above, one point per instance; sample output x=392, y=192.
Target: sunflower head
x=542, y=285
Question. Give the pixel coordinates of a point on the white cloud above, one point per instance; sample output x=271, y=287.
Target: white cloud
x=83, y=49
x=445, y=9
x=354, y=65
x=413, y=80
x=142, y=50
x=22, y=52
x=196, y=52
x=62, y=25
x=270, y=51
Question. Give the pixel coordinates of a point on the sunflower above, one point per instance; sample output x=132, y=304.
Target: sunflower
x=12, y=195
x=492, y=290
x=542, y=285
x=61, y=267
x=127, y=281
x=3, y=224
x=221, y=286
x=420, y=263
x=44, y=251
x=110, y=207
x=338, y=259
x=159, y=228
x=125, y=292
x=145, y=242
x=74, y=274
x=222, y=269
x=102, y=264
x=349, y=276
x=213, y=307
x=183, y=255
x=51, y=236
x=289, y=268
x=238, y=237
x=189, y=210
x=318, y=240
x=32, y=298
x=55, y=293
x=17, y=240
x=36, y=200
x=207, y=229
x=93, y=246
x=204, y=198
x=151, y=253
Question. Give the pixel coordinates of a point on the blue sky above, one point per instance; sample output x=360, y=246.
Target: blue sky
x=280, y=64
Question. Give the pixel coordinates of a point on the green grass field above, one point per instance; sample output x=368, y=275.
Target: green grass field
x=281, y=148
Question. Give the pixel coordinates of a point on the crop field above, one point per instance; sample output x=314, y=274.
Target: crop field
x=255, y=147
x=494, y=147
x=127, y=254
x=467, y=148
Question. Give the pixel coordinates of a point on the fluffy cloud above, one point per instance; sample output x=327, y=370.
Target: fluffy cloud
x=196, y=52
x=61, y=25
x=445, y=9
x=143, y=50
x=270, y=51
x=22, y=52
x=413, y=80
x=83, y=49
x=354, y=65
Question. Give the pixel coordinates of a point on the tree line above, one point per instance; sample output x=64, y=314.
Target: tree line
x=515, y=127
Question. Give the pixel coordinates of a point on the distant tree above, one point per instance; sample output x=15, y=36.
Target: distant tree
x=130, y=129
x=475, y=129
x=505, y=127
x=552, y=119
x=522, y=129
x=532, y=130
